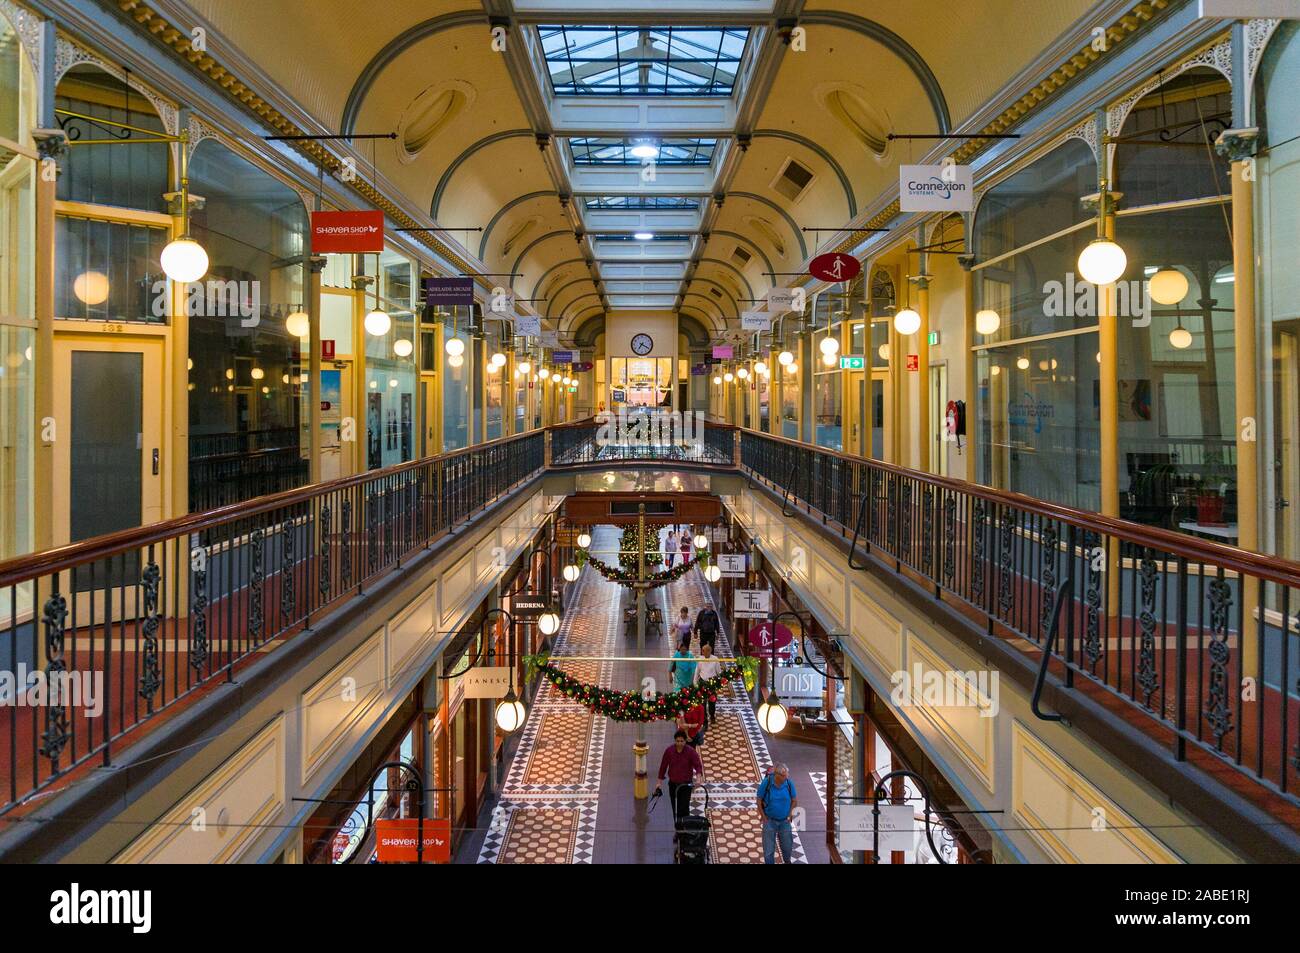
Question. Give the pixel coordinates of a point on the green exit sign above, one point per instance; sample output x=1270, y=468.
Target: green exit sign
x=933, y=338
x=851, y=363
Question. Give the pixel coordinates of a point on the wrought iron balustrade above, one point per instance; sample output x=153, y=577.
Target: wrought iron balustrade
x=133, y=623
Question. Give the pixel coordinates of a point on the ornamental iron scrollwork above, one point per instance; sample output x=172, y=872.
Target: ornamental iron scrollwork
x=1051, y=539
x=1146, y=674
x=1091, y=604
x=1006, y=539
x=256, y=583
x=905, y=521
x=927, y=528
x=891, y=513
x=977, y=552
x=199, y=633
x=288, y=543
x=949, y=539
x=55, y=738
x=345, y=551
x=323, y=583
x=151, y=673
x=1219, y=710
x=373, y=502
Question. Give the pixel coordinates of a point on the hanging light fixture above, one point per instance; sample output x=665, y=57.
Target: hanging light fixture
x=524, y=367
x=511, y=712
x=829, y=345
x=829, y=359
x=785, y=358
x=742, y=373
x=297, y=324
x=728, y=377
x=257, y=373
x=403, y=347
x=183, y=259
x=455, y=360
x=1180, y=337
x=1102, y=261
x=712, y=573
x=1167, y=286
x=1022, y=363
x=378, y=323
x=907, y=322
x=792, y=369
x=701, y=541
x=548, y=622
x=761, y=368
x=717, y=379
x=571, y=573
x=498, y=358
x=987, y=321
x=772, y=716
x=455, y=346
x=544, y=373
x=584, y=540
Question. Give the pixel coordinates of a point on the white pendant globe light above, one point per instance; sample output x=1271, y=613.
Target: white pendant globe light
x=298, y=324
x=1102, y=261
x=257, y=373
x=524, y=367
x=701, y=541
x=455, y=346
x=584, y=540
x=995, y=370
x=760, y=367
x=743, y=373
x=91, y=287
x=548, y=622
x=987, y=321
x=728, y=377
x=829, y=359
x=907, y=322
x=184, y=260
x=510, y=713
x=717, y=379
x=498, y=358
x=1022, y=363
x=792, y=369
x=544, y=373
x=1180, y=338
x=784, y=358
x=829, y=345
x=402, y=347
x=712, y=573
x=571, y=573
x=455, y=360
x=1168, y=286
x=377, y=323
x=772, y=716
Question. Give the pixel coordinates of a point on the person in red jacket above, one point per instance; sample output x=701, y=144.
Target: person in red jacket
x=681, y=763
x=692, y=722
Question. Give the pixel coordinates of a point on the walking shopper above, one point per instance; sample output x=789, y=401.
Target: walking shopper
x=692, y=722
x=682, y=765
x=686, y=545
x=708, y=667
x=670, y=549
x=706, y=626
x=682, y=671
x=682, y=627
x=777, y=800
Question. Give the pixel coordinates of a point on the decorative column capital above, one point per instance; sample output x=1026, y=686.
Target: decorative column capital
x=50, y=143
x=967, y=262
x=1095, y=202
x=316, y=263
x=922, y=282
x=1237, y=145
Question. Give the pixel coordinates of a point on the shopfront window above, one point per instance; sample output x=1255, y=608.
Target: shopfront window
x=455, y=392
x=827, y=391
x=1277, y=238
x=247, y=375
x=641, y=382
x=790, y=402
x=1177, y=379
x=390, y=367
x=494, y=397
x=1038, y=380
x=17, y=304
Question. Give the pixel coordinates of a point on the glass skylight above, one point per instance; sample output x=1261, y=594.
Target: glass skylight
x=642, y=61
x=641, y=202
x=605, y=150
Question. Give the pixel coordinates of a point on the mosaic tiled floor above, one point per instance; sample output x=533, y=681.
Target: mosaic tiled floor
x=547, y=812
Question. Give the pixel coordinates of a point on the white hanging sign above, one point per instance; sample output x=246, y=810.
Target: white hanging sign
x=753, y=603
x=732, y=565
x=1249, y=9
x=780, y=300
x=528, y=325
x=755, y=321
x=935, y=188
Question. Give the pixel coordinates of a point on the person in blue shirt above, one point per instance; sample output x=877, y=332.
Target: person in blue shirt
x=777, y=801
x=683, y=671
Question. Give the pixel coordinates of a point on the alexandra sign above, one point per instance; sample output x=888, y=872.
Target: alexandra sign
x=935, y=188
x=347, y=233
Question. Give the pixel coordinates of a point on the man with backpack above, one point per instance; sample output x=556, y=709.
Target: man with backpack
x=777, y=800
x=707, y=626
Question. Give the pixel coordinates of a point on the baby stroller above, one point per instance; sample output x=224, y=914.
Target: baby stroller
x=693, y=837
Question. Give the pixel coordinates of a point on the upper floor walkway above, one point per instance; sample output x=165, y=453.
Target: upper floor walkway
x=1190, y=644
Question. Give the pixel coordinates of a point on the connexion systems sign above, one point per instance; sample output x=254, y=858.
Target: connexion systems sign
x=935, y=188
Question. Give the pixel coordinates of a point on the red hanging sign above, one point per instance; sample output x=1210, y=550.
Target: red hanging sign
x=765, y=637
x=347, y=232
x=834, y=267
x=395, y=840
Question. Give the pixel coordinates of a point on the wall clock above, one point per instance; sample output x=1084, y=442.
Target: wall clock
x=642, y=344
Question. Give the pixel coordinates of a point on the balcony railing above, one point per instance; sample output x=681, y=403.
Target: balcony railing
x=1196, y=639
x=644, y=436
x=111, y=631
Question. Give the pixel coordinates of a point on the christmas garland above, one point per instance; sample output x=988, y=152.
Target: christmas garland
x=627, y=576
x=632, y=706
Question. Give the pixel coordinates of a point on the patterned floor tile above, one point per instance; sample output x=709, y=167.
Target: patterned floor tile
x=727, y=753
x=737, y=838
x=560, y=747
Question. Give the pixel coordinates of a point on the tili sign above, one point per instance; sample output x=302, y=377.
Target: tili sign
x=935, y=188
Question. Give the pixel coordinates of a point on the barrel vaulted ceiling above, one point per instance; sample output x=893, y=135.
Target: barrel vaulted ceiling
x=469, y=118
